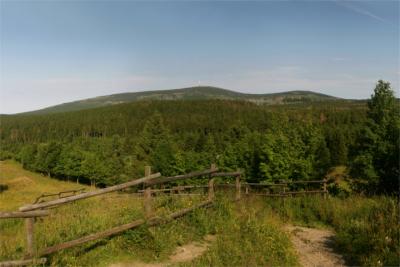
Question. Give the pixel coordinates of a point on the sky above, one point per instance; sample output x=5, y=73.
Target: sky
x=53, y=52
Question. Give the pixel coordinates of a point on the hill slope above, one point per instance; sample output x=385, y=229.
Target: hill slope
x=190, y=93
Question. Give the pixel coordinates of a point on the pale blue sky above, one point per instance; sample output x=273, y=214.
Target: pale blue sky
x=58, y=51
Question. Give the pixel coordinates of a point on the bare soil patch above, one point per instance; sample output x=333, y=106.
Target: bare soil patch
x=315, y=247
x=185, y=253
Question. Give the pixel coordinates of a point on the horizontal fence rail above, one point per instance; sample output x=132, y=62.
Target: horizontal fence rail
x=28, y=214
x=175, y=188
x=118, y=229
x=284, y=194
x=225, y=174
x=286, y=183
x=59, y=194
x=237, y=185
x=88, y=194
x=91, y=237
x=23, y=262
x=162, y=180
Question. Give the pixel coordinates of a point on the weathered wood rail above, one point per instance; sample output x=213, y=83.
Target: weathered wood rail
x=28, y=214
x=88, y=194
x=163, y=180
x=283, y=185
x=178, y=190
x=59, y=194
x=119, y=229
x=23, y=262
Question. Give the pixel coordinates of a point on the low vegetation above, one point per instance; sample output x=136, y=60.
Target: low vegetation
x=238, y=232
x=255, y=229
x=367, y=229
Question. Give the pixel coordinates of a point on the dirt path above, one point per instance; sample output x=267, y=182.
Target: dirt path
x=185, y=253
x=314, y=247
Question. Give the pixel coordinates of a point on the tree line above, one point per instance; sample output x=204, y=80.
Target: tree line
x=109, y=145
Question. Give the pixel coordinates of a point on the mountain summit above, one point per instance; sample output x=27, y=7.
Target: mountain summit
x=190, y=93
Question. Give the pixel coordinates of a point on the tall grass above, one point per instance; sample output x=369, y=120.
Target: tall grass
x=367, y=229
x=247, y=235
x=248, y=232
x=69, y=222
x=243, y=236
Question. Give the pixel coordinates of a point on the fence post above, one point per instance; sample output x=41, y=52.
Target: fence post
x=213, y=166
x=30, y=247
x=147, y=170
x=147, y=195
x=238, y=187
x=325, y=190
x=211, y=189
x=211, y=184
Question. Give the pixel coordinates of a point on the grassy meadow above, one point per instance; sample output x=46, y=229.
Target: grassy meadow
x=25, y=186
x=239, y=229
x=248, y=233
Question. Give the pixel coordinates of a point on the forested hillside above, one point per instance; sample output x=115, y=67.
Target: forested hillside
x=190, y=93
x=111, y=144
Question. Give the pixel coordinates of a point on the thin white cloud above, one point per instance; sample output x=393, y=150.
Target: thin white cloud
x=360, y=10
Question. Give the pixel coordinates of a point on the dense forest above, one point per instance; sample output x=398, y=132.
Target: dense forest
x=109, y=145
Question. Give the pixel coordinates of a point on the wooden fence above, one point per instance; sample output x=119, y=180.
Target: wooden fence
x=249, y=188
x=283, y=186
x=31, y=211
x=36, y=210
x=29, y=224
